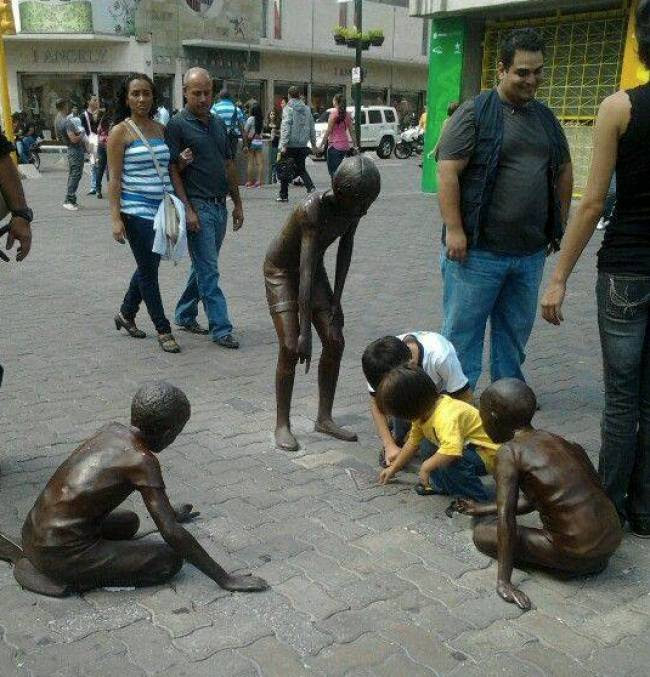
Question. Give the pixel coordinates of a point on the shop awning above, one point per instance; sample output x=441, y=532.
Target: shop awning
x=67, y=37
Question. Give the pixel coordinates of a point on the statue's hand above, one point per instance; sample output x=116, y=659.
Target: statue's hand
x=184, y=513
x=509, y=593
x=464, y=506
x=304, y=349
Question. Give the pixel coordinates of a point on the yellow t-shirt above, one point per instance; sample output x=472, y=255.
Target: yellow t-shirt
x=452, y=425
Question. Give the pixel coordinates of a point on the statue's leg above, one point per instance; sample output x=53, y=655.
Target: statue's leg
x=286, y=327
x=328, y=376
x=120, y=525
x=30, y=578
x=534, y=547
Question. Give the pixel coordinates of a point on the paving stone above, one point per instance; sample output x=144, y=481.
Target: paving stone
x=610, y=628
x=502, y=665
x=373, y=588
x=309, y=598
x=551, y=662
x=627, y=657
x=149, y=648
x=555, y=634
x=400, y=664
x=437, y=585
x=499, y=637
x=364, y=652
x=276, y=660
x=227, y=663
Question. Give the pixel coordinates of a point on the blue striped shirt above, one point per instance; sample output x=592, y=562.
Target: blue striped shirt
x=142, y=189
x=225, y=109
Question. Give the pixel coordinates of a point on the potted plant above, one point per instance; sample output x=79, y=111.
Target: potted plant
x=352, y=36
x=376, y=37
x=365, y=41
x=339, y=35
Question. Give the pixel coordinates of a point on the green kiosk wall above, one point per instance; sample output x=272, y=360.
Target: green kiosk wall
x=445, y=79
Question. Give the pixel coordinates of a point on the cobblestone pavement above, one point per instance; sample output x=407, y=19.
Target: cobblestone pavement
x=366, y=580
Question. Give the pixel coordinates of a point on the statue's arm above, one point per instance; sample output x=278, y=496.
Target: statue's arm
x=506, y=476
x=308, y=256
x=343, y=260
x=178, y=538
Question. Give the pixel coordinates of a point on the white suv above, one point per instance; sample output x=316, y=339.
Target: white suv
x=379, y=128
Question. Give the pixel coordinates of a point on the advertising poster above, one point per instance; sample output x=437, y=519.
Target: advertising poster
x=445, y=79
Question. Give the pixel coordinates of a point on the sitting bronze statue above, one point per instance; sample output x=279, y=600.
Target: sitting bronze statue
x=581, y=528
x=74, y=539
x=299, y=293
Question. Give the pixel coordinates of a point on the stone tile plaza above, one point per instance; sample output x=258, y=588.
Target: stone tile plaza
x=365, y=580
x=387, y=263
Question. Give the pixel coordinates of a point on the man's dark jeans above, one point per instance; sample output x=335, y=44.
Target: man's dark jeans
x=76, y=166
x=299, y=156
x=623, y=320
x=102, y=166
x=144, y=283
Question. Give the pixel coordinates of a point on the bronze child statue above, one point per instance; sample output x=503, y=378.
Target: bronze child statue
x=581, y=528
x=299, y=293
x=74, y=539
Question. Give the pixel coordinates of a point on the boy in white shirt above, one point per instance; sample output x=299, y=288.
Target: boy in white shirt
x=426, y=349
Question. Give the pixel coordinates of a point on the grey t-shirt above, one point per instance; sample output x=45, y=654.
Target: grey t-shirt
x=519, y=209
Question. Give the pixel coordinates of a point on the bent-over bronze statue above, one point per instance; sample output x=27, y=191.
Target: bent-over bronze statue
x=299, y=293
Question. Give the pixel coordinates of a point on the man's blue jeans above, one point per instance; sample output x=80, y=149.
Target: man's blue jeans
x=203, y=281
x=499, y=287
x=624, y=324
x=460, y=479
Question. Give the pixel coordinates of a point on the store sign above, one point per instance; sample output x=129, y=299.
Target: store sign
x=73, y=55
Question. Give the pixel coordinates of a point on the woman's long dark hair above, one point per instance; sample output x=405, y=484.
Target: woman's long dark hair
x=341, y=107
x=256, y=112
x=122, y=110
x=643, y=31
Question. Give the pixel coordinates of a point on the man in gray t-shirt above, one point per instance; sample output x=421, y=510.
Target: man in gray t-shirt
x=67, y=131
x=494, y=271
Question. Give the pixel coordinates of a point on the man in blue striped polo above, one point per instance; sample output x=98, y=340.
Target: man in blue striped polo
x=231, y=116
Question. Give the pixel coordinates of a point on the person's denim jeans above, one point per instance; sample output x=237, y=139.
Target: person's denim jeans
x=334, y=159
x=624, y=324
x=501, y=288
x=299, y=156
x=102, y=166
x=75, y=167
x=26, y=146
x=144, y=282
x=461, y=479
x=203, y=280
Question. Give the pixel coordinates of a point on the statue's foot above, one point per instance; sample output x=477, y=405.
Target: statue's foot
x=245, y=583
x=30, y=578
x=284, y=439
x=328, y=427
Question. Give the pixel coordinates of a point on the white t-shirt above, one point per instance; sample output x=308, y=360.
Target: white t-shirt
x=438, y=359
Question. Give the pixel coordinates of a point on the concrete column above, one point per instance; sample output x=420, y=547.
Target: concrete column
x=178, y=84
x=95, y=77
x=270, y=87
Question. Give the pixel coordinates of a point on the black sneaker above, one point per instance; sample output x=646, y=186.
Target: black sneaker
x=193, y=328
x=91, y=192
x=227, y=341
x=281, y=199
x=640, y=526
x=99, y=195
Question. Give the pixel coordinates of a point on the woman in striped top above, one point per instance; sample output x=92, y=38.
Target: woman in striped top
x=135, y=193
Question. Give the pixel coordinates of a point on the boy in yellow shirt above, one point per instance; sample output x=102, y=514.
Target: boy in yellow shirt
x=465, y=451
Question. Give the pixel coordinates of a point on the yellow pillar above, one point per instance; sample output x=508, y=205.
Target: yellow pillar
x=6, y=27
x=633, y=73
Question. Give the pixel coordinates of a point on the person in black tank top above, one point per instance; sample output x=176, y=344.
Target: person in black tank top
x=621, y=143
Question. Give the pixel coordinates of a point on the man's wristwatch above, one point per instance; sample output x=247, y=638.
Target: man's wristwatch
x=24, y=213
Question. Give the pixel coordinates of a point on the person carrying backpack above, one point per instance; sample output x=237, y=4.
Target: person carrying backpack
x=232, y=117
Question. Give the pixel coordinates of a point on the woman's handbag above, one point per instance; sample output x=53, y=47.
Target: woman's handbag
x=171, y=218
x=285, y=169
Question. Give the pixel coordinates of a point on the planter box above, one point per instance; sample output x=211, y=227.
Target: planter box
x=75, y=16
x=339, y=39
x=377, y=42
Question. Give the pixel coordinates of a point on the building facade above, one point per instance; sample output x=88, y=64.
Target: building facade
x=72, y=48
x=589, y=55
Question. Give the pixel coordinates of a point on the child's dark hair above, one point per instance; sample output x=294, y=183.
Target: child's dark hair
x=406, y=392
x=643, y=31
x=381, y=356
x=522, y=39
x=341, y=107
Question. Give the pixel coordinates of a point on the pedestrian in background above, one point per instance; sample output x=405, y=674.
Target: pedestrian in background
x=337, y=138
x=103, y=130
x=274, y=131
x=254, y=145
x=90, y=123
x=296, y=131
x=70, y=132
x=136, y=189
x=231, y=116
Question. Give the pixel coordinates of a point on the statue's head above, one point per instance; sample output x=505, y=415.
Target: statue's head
x=356, y=184
x=160, y=410
x=506, y=406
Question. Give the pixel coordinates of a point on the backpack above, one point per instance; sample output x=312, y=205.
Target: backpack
x=233, y=128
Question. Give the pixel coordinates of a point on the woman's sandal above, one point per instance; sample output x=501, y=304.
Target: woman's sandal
x=168, y=343
x=425, y=490
x=129, y=325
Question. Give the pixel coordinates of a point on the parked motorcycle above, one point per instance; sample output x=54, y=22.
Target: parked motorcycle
x=35, y=154
x=411, y=141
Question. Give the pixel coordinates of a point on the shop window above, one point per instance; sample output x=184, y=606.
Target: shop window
x=374, y=117
x=199, y=5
